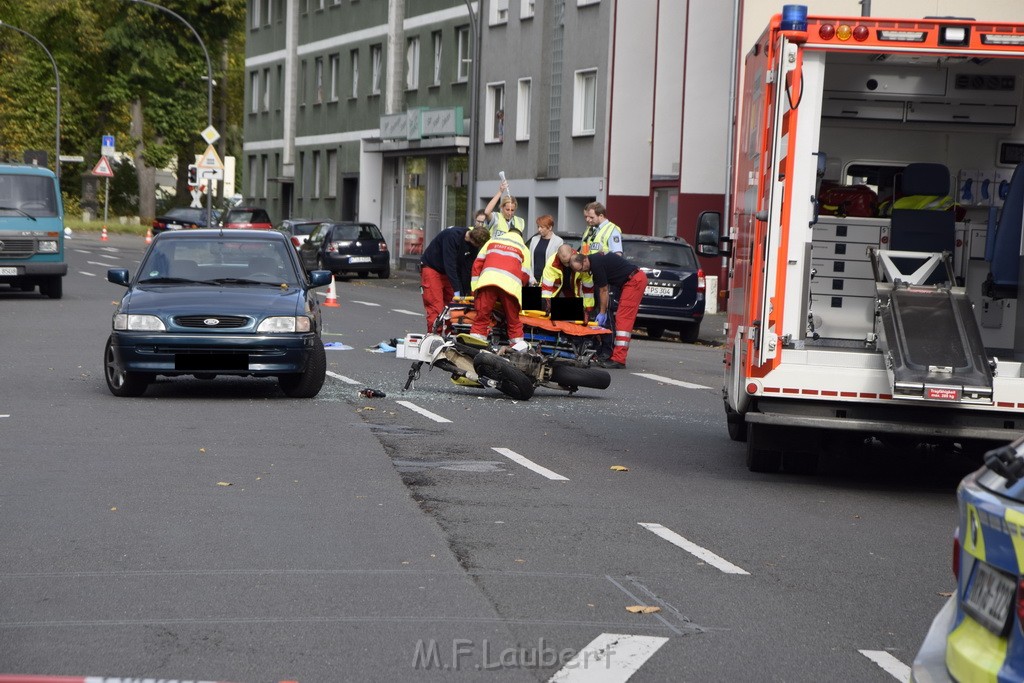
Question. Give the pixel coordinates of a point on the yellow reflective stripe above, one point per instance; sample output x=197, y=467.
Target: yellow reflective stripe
x=974, y=654
x=493, y=275
x=973, y=538
x=1015, y=518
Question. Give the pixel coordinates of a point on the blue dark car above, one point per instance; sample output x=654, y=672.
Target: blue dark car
x=674, y=298
x=212, y=302
x=346, y=249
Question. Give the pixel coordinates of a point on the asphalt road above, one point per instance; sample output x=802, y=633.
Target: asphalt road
x=217, y=530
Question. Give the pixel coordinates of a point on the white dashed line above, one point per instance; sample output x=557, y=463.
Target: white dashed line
x=423, y=411
x=98, y=263
x=888, y=664
x=609, y=658
x=365, y=303
x=82, y=272
x=343, y=378
x=6, y=415
x=83, y=251
x=529, y=464
x=694, y=549
x=667, y=380
x=402, y=310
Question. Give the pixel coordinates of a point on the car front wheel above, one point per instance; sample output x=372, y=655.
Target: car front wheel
x=121, y=382
x=307, y=384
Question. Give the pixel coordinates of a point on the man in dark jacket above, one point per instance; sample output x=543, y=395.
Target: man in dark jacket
x=446, y=265
x=613, y=271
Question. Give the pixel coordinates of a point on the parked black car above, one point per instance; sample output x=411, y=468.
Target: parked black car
x=674, y=298
x=183, y=218
x=346, y=249
x=213, y=302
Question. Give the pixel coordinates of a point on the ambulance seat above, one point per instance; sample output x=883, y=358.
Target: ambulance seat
x=1002, y=243
x=925, y=230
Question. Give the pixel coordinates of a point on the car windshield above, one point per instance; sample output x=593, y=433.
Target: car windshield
x=221, y=261
x=351, y=232
x=241, y=216
x=659, y=254
x=304, y=228
x=27, y=194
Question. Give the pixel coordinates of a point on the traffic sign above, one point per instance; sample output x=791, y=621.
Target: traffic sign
x=107, y=145
x=210, y=134
x=102, y=168
x=210, y=159
x=197, y=199
x=212, y=173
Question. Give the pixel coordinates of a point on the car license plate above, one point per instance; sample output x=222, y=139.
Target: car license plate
x=8, y=271
x=990, y=597
x=358, y=259
x=653, y=290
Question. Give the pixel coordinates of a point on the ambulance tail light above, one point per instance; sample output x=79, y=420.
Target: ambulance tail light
x=902, y=36
x=956, y=562
x=701, y=284
x=1001, y=39
x=844, y=32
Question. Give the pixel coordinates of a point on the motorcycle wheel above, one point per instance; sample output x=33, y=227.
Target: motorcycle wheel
x=572, y=376
x=512, y=381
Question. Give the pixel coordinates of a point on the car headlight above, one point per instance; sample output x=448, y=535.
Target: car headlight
x=139, y=323
x=285, y=323
x=47, y=246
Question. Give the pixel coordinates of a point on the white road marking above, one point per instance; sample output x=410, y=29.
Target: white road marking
x=83, y=251
x=529, y=464
x=667, y=380
x=402, y=310
x=6, y=415
x=609, y=658
x=82, y=272
x=888, y=664
x=694, y=549
x=365, y=303
x=422, y=411
x=98, y=263
x=343, y=378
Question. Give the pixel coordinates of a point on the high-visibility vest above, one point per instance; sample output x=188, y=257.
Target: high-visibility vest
x=917, y=201
x=503, y=262
x=554, y=275
x=499, y=226
x=599, y=240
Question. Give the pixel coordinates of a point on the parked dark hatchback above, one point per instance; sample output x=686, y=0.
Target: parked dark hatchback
x=674, y=298
x=247, y=218
x=208, y=303
x=347, y=248
x=182, y=218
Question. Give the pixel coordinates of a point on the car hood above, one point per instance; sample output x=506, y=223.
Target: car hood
x=173, y=300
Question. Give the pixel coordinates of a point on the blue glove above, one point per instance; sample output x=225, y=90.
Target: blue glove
x=601, y=319
x=456, y=295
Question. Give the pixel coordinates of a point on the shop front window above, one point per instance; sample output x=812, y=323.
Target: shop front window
x=456, y=189
x=414, y=205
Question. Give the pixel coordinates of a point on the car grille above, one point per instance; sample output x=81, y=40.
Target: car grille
x=223, y=321
x=17, y=248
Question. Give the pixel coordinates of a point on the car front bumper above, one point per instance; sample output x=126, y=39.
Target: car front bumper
x=34, y=269
x=930, y=663
x=184, y=354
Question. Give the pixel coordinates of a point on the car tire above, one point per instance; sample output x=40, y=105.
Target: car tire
x=307, y=384
x=386, y=273
x=736, y=424
x=121, y=382
x=689, y=332
x=572, y=376
x=53, y=287
x=512, y=381
x=655, y=331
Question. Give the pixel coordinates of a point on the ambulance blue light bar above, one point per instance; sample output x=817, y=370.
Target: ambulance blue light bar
x=794, y=18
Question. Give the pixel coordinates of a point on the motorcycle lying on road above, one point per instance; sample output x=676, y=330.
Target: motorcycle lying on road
x=555, y=359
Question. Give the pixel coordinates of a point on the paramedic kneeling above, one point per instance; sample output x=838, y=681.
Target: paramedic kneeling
x=612, y=270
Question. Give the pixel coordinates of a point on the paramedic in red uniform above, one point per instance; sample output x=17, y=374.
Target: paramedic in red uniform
x=446, y=265
x=501, y=269
x=612, y=270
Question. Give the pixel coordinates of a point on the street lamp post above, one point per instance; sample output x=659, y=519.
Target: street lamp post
x=474, y=103
x=56, y=76
x=209, y=88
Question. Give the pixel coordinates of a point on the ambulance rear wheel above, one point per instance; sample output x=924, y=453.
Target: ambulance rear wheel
x=736, y=424
x=763, y=453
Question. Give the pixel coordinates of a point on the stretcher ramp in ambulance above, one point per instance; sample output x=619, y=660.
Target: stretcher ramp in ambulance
x=933, y=346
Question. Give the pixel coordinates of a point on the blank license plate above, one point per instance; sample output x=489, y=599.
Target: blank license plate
x=653, y=290
x=990, y=597
x=359, y=259
x=8, y=271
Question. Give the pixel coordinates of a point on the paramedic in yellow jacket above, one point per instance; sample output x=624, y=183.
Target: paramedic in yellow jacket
x=501, y=269
x=558, y=270
x=602, y=236
x=506, y=219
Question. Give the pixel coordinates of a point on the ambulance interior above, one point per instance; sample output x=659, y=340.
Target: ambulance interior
x=879, y=114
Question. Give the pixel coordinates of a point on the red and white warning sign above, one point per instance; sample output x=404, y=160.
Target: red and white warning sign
x=102, y=168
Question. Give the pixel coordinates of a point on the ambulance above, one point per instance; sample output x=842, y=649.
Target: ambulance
x=872, y=240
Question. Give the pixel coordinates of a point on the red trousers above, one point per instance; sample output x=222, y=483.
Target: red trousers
x=629, y=304
x=436, y=291
x=484, y=300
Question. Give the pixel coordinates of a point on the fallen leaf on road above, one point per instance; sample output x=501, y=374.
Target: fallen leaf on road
x=946, y=594
x=113, y=509
x=223, y=483
x=202, y=450
x=643, y=609
x=619, y=468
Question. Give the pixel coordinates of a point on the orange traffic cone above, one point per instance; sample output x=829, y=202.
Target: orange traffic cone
x=103, y=236
x=332, y=296
x=149, y=236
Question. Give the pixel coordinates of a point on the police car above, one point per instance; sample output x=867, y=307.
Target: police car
x=979, y=634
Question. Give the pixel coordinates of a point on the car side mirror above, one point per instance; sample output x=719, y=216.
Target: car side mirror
x=320, y=278
x=118, y=276
x=709, y=235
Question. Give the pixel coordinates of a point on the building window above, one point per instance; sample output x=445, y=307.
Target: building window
x=268, y=19
x=335, y=73
x=495, y=115
x=254, y=88
x=265, y=176
x=302, y=83
x=464, y=59
x=280, y=86
x=254, y=13
x=499, y=12
x=252, y=176
x=584, y=109
x=304, y=6
x=355, y=72
x=300, y=170
x=528, y=9
x=436, y=40
x=332, y=173
x=320, y=5
x=523, y=109
x=375, y=69
x=266, y=89
x=316, y=174
x=279, y=13
x=412, y=63
x=318, y=79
